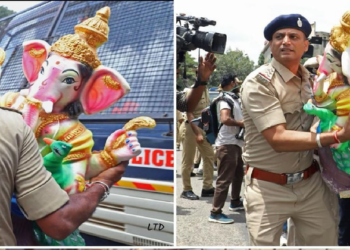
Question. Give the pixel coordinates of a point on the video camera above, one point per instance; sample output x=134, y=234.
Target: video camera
x=190, y=39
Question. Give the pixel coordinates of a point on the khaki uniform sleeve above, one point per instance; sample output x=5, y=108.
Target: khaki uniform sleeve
x=178, y=115
x=37, y=192
x=262, y=105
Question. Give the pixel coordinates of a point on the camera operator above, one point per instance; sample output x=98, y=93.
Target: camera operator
x=192, y=137
x=197, y=99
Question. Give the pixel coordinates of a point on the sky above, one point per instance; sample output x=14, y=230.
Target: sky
x=243, y=21
x=19, y=5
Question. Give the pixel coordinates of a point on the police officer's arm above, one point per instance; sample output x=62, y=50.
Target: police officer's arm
x=80, y=206
x=40, y=197
x=226, y=118
x=198, y=135
x=283, y=140
x=205, y=69
x=264, y=109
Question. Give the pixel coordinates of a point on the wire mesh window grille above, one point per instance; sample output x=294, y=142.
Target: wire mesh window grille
x=139, y=47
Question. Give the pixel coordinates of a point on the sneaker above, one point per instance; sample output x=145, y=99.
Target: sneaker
x=189, y=195
x=236, y=207
x=283, y=239
x=220, y=218
x=196, y=165
x=208, y=192
x=178, y=148
x=193, y=174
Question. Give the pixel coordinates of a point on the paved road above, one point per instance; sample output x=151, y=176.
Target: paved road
x=193, y=228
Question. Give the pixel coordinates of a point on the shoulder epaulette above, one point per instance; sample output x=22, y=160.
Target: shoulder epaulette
x=11, y=109
x=264, y=75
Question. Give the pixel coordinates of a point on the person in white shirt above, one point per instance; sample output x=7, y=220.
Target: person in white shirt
x=228, y=150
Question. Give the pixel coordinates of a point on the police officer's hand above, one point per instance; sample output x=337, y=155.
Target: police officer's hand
x=199, y=139
x=206, y=67
x=344, y=134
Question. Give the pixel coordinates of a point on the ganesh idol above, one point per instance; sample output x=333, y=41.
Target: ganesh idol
x=332, y=105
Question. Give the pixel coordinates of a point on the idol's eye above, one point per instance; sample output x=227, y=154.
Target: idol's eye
x=329, y=57
x=42, y=70
x=69, y=80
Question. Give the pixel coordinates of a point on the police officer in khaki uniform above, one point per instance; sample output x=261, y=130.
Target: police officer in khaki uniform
x=189, y=142
x=38, y=194
x=282, y=179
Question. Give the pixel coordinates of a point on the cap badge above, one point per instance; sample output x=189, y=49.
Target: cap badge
x=300, y=23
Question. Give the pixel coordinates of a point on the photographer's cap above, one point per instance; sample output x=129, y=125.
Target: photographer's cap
x=295, y=21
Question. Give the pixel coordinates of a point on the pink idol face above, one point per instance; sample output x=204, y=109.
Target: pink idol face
x=59, y=81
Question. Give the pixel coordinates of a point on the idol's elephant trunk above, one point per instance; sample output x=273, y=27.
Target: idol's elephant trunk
x=32, y=108
x=318, y=87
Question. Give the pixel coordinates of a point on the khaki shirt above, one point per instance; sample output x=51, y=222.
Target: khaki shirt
x=273, y=95
x=22, y=173
x=203, y=102
x=179, y=116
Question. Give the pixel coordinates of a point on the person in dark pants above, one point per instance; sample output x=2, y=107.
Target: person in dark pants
x=228, y=151
x=344, y=222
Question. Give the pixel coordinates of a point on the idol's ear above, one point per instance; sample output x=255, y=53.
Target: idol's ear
x=35, y=52
x=105, y=87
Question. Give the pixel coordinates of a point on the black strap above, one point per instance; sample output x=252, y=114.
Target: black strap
x=222, y=97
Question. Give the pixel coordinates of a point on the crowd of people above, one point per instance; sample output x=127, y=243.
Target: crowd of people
x=283, y=181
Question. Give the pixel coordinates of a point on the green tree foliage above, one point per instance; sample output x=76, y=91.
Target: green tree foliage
x=234, y=61
x=261, y=59
x=191, y=65
x=4, y=12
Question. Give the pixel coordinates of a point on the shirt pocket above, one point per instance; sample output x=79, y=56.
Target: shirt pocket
x=292, y=112
x=291, y=107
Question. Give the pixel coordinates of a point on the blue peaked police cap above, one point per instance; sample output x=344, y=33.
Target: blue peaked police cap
x=295, y=21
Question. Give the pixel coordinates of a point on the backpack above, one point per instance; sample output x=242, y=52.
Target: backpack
x=209, y=121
